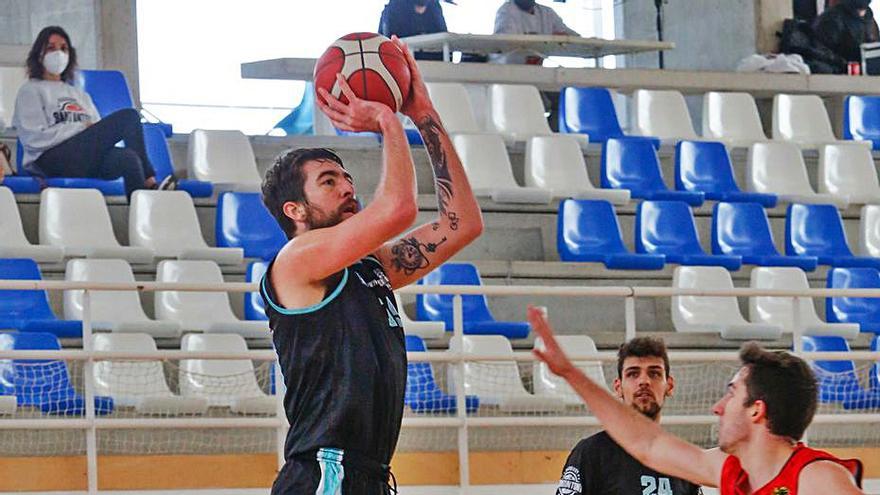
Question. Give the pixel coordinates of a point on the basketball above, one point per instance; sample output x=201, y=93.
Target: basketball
x=374, y=67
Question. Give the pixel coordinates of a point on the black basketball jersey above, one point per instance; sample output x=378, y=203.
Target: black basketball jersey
x=344, y=364
x=598, y=466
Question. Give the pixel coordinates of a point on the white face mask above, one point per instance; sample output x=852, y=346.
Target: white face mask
x=55, y=62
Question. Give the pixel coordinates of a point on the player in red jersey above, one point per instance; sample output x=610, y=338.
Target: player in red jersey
x=767, y=407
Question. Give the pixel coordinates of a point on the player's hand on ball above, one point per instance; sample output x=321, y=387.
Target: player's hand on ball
x=419, y=102
x=355, y=116
x=552, y=354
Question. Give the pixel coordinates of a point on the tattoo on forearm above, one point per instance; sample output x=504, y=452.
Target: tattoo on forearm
x=431, y=131
x=411, y=254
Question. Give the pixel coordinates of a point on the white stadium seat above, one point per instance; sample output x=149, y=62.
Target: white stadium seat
x=778, y=168
x=556, y=163
x=422, y=329
x=869, y=230
x=115, y=311
x=662, y=114
x=166, y=222
x=713, y=314
x=517, y=111
x=780, y=310
x=138, y=384
x=550, y=385
x=455, y=108
x=224, y=158
x=201, y=311
x=847, y=170
x=732, y=118
x=8, y=404
x=803, y=120
x=13, y=243
x=78, y=221
x=11, y=78
x=224, y=383
x=488, y=169
x=497, y=383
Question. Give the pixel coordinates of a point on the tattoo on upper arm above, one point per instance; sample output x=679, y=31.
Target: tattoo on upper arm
x=431, y=131
x=409, y=255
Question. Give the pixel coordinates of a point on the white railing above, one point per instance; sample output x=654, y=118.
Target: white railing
x=461, y=421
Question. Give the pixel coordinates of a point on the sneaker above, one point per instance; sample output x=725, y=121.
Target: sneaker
x=169, y=183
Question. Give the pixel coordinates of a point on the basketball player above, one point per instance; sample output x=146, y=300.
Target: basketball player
x=597, y=465
x=329, y=296
x=767, y=407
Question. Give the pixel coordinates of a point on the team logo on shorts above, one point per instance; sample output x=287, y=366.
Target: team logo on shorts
x=782, y=490
x=570, y=484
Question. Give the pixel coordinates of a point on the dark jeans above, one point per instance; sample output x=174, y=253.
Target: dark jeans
x=93, y=152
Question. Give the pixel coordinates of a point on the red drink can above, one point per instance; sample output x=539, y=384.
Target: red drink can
x=854, y=69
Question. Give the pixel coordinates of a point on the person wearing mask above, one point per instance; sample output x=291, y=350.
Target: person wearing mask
x=411, y=18
x=527, y=17
x=844, y=27
x=60, y=129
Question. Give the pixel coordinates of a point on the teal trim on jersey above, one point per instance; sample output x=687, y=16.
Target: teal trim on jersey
x=373, y=258
x=310, y=309
x=332, y=471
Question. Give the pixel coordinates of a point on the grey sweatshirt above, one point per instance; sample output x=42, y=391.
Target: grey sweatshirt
x=510, y=19
x=48, y=113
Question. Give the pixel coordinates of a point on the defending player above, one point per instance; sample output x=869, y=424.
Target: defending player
x=597, y=465
x=768, y=405
x=329, y=293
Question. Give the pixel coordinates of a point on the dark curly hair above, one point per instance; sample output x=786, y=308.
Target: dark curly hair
x=35, y=67
x=284, y=182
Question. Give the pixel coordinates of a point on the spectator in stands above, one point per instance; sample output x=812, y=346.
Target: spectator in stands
x=527, y=17
x=413, y=17
x=844, y=27
x=60, y=129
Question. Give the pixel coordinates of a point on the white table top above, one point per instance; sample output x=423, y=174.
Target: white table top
x=547, y=45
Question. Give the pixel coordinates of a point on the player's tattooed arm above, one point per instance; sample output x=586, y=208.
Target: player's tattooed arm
x=433, y=134
x=411, y=254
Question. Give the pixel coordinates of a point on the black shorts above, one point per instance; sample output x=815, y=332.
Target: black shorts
x=328, y=472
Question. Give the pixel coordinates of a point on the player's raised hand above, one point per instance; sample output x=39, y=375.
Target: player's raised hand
x=419, y=102
x=552, y=354
x=355, y=116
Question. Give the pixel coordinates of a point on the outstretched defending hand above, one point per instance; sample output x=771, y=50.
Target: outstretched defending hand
x=357, y=115
x=419, y=102
x=552, y=354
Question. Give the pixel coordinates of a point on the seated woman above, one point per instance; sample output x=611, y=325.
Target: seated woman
x=60, y=129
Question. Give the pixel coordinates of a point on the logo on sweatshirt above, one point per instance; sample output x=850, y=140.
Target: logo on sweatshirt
x=69, y=110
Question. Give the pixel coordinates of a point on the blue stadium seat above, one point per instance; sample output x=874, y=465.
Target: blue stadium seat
x=861, y=119
x=28, y=310
x=587, y=230
x=478, y=320
x=110, y=93
x=45, y=383
x=591, y=111
x=633, y=164
x=862, y=310
x=160, y=157
x=838, y=381
x=243, y=221
x=743, y=229
x=300, y=121
x=874, y=379
x=668, y=228
x=423, y=395
x=115, y=187
x=21, y=184
x=817, y=230
x=254, y=306
x=704, y=166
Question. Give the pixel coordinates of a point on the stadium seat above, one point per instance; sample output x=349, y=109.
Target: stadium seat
x=556, y=163
x=838, y=380
x=8, y=402
x=587, y=230
x=517, y=111
x=45, y=383
x=223, y=158
x=633, y=164
x=732, y=118
x=301, y=120
x=803, y=120
x=497, y=383
x=29, y=310
x=110, y=93
x=778, y=168
x=166, y=222
x=478, y=320
x=115, y=187
x=454, y=106
x=423, y=395
x=550, y=385
x=704, y=166
x=662, y=114
x=419, y=328
x=817, y=230
x=138, y=384
x=22, y=184
x=861, y=119
x=591, y=111
x=114, y=311
x=862, y=310
x=208, y=312
x=224, y=383
x=780, y=310
x=847, y=170
x=489, y=172
x=743, y=229
x=254, y=307
x=11, y=79
x=13, y=243
x=869, y=230
x=78, y=221
x=874, y=379
x=244, y=222
x=713, y=313
x=668, y=228
x=160, y=158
